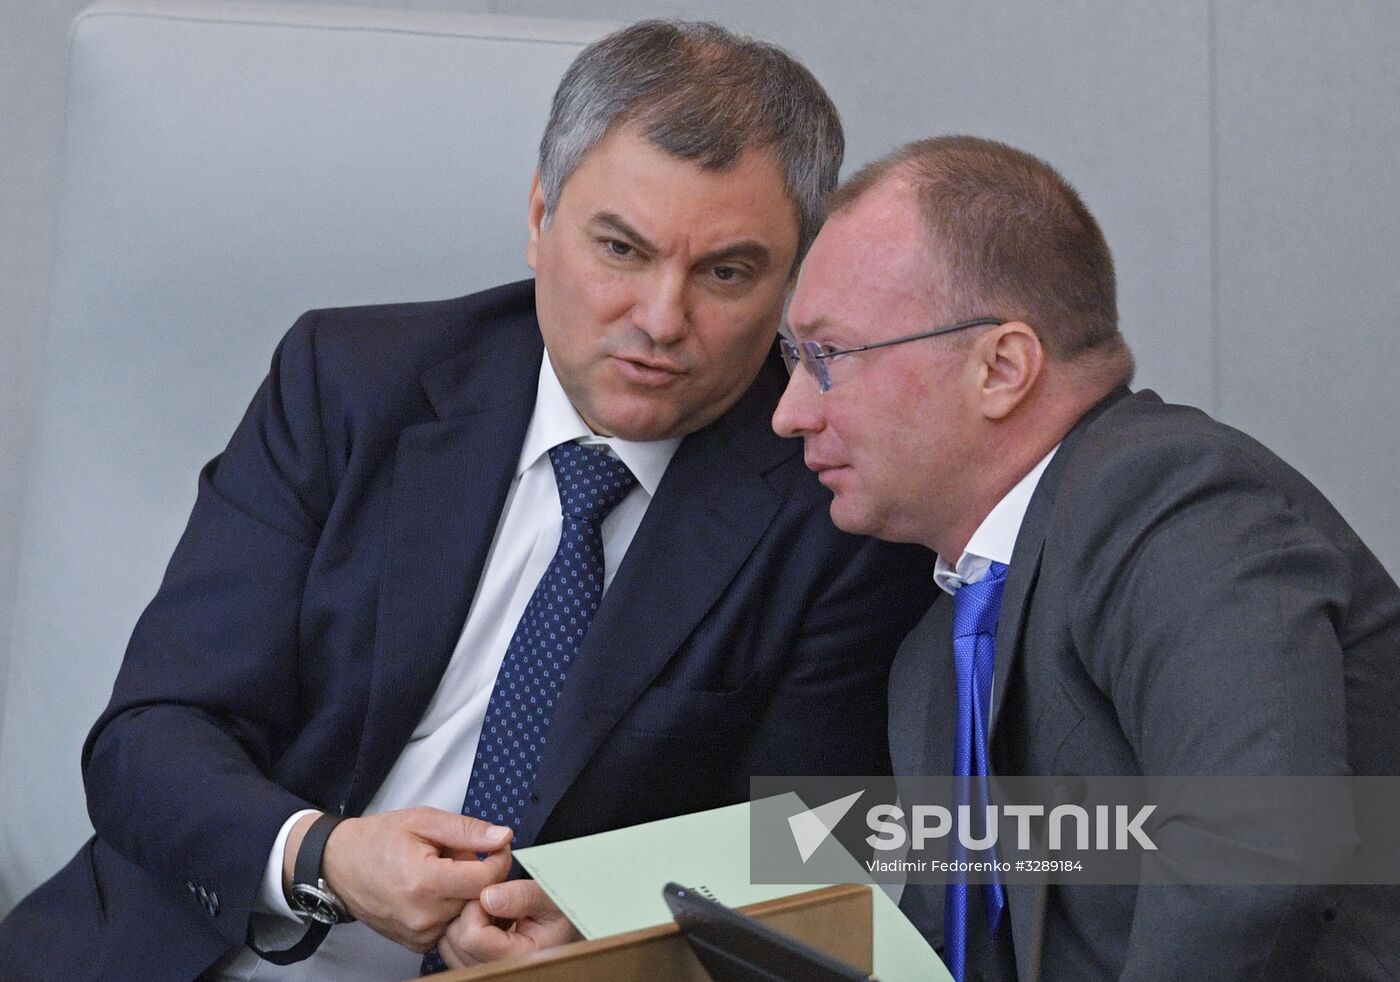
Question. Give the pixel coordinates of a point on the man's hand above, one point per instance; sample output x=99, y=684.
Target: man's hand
x=408, y=874
x=477, y=936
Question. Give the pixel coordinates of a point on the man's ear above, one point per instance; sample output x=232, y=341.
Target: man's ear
x=1011, y=360
x=534, y=221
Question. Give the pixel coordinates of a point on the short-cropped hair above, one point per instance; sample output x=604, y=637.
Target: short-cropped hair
x=705, y=95
x=1014, y=238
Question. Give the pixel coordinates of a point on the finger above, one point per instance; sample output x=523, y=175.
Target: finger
x=453, y=941
x=516, y=899
x=460, y=833
x=473, y=853
x=473, y=938
x=464, y=879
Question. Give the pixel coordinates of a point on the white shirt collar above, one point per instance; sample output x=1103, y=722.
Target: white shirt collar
x=556, y=421
x=995, y=538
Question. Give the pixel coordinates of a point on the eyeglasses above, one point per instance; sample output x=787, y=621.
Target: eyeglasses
x=814, y=356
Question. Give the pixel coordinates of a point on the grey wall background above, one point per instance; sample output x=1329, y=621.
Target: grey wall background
x=1242, y=156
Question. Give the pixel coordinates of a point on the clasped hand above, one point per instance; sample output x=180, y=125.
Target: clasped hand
x=415, y=877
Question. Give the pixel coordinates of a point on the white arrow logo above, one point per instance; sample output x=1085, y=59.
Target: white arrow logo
x=810, y=828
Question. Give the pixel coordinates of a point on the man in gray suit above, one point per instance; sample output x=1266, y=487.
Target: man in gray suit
x=1167, y=596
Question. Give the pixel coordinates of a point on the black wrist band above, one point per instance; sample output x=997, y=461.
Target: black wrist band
x=307, y=871
x=311, y=895
x=313, y=847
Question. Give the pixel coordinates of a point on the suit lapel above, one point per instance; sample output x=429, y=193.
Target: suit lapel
x=1020, y=581
x=1025, y=559
x=451, y=476
x=1028, y=902
x=711, y=508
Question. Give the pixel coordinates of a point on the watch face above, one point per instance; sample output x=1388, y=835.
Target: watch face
x=318, y=904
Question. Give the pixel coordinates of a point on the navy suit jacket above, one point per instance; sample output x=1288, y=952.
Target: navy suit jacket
x=313, y=602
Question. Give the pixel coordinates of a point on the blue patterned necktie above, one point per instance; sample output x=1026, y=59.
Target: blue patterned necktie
x=591, y=483
x=976, y=607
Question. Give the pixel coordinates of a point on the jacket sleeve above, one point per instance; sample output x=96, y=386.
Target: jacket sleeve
x=207, y=696
x=1208, y=610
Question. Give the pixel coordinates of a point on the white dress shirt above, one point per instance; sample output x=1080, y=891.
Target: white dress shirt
x=995, y=538
x=436, y=765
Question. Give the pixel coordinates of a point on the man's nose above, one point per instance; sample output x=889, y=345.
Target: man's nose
x=799, y=410
x=662, y=310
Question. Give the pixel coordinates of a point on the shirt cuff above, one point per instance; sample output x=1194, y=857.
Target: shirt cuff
x=271, y=898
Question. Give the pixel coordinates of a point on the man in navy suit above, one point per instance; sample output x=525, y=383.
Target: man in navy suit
x=320, y=680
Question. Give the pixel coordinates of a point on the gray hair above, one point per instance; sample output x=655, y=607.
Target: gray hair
x=705, y=95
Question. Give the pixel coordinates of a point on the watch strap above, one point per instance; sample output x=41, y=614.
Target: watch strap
x=313, y=848
x=303, y=949
x=307, y=869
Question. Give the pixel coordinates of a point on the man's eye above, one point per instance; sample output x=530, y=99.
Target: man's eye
x=729, y=274
x=618, y=248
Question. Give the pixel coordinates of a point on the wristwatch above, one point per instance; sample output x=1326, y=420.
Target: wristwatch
x=312, y=897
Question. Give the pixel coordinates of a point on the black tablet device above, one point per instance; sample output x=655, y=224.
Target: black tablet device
x=734, y=947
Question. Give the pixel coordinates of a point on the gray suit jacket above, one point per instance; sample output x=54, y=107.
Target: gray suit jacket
x=1180, y=602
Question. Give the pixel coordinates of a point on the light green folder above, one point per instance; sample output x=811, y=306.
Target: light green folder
x=611, y=882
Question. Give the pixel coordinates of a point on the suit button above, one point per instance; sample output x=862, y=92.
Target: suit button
x=534, y=797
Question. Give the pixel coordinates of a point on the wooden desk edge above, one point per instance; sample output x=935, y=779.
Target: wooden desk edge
x=840, y=895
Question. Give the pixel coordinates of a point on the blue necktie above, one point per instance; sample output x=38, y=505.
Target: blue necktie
x=591, y=483
x=976, y=607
